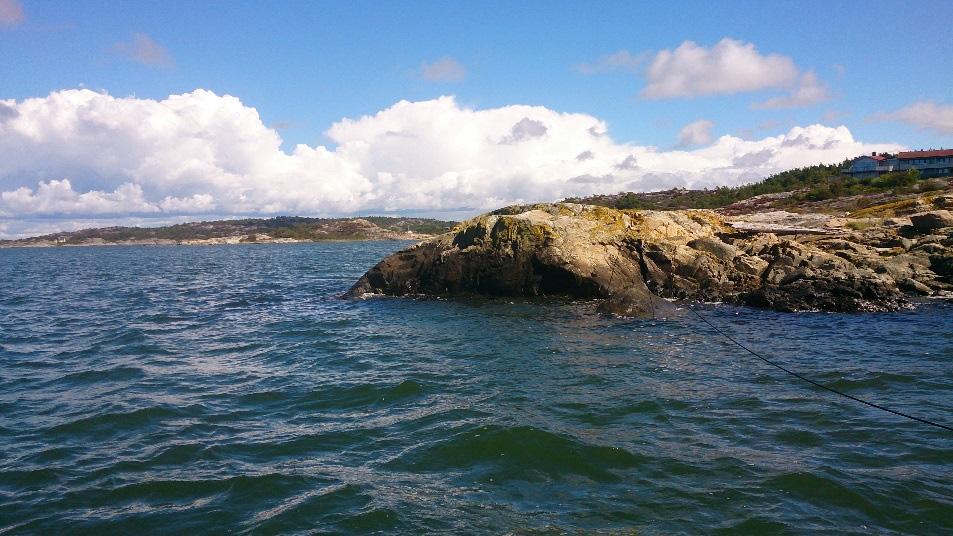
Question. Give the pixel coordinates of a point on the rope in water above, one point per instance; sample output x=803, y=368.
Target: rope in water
x=814, y=383
x=781, y=367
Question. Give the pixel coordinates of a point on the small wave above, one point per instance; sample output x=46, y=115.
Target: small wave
x=657, y=409
x=236, y=487
x=262, y=397
x=162, y=318
x=650, y=407
x=295, y=446
x=820, y=489
x=801, y=438
x=237, y=348
x=124, y=337
x=29, y=479
x=15, y=300
x=117, y=421
x=519, y=453
x=756, y=525
x=77, y=354
x=171, y=456
x=107, y=375
x=877, y=380
x=348, y=507
x=373, y=520
x=360, y=395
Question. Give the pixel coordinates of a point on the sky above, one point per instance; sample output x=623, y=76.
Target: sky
x=148, y=113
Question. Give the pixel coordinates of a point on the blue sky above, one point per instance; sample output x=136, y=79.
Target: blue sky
x=305, y=65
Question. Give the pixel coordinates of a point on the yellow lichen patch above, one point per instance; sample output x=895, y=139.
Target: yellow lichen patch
x=606, y=223
x=475, y=221
x=603, y=214
x=677, y=226
x=860, y=224
x=536, y=216
x=520, y=231
x=930, y=198
x=562, y=209
x=708, y=217
x=472, y=232
x=888, y=210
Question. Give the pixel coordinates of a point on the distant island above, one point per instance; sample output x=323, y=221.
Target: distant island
x=281, y=229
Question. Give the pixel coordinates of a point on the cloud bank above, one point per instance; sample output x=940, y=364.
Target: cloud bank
x=79, y=155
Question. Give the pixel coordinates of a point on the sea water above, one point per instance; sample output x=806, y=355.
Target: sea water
x=188, y=390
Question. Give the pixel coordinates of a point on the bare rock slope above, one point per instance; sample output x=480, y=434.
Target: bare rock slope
x=631, y=259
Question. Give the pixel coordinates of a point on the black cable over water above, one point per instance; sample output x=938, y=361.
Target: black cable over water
x=814, y=383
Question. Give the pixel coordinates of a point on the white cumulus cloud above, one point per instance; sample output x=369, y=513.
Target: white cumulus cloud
x=80, y=155
x=695, y=133
x=808, y=92
x=730, y=66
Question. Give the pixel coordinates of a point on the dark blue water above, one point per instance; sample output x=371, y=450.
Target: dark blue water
x=187, y=390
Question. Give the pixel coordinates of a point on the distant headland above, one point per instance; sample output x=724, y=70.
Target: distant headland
x=282, y=229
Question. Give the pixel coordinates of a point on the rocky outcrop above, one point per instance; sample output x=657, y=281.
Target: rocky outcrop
x=637, y=261
x=943, y=201
x=930, y=221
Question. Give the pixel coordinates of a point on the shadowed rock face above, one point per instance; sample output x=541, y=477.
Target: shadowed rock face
x=633, y=259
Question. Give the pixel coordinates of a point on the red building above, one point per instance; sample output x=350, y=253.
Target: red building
x=932, y=163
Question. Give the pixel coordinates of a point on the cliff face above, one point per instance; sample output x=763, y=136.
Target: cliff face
x=631, y=259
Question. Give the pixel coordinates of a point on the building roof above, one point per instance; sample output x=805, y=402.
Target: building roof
x=925, y=154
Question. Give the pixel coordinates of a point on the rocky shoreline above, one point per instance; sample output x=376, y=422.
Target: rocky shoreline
x=636, y=261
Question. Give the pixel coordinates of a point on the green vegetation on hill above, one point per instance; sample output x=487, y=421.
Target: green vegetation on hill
x=813, y=183
x=417, y=225
x=295, y=227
